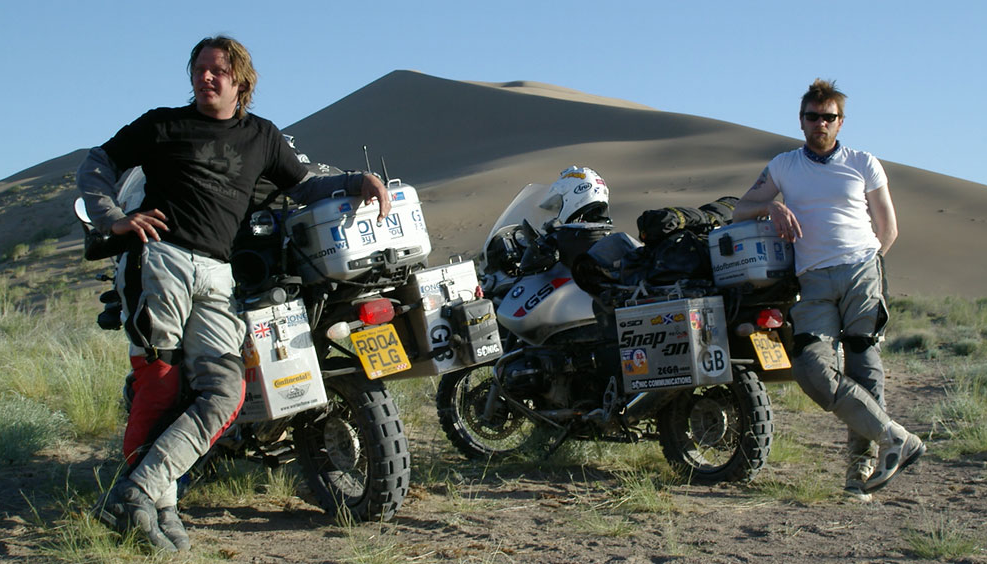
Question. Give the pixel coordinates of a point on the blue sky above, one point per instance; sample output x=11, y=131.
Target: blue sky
x=75, y=72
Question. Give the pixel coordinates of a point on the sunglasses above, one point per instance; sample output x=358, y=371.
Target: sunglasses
x=813, y=116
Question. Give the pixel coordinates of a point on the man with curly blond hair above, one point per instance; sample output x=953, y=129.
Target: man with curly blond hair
x=201, y=163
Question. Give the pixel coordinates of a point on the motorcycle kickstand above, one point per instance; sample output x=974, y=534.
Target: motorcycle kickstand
x=554, y=446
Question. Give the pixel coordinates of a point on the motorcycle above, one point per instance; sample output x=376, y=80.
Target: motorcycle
x=594, y=350
x=322, y=289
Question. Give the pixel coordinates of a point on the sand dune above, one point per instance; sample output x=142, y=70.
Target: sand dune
x=470, y=146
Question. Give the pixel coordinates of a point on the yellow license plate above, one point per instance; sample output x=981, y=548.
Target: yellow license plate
x=380, y=351
x=770, y=351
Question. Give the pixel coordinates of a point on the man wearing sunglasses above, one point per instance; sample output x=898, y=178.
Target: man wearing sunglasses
x=837, y=211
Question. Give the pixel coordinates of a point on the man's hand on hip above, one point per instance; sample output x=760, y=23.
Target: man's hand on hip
x=145, y=224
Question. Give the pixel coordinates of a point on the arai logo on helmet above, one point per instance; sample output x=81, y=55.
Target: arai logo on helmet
x=582, y=188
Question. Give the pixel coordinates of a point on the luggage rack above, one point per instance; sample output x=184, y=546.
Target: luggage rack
x=621, y=295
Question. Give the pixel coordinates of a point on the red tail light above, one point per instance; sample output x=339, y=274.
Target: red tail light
x=376, y=312
x=770, y=319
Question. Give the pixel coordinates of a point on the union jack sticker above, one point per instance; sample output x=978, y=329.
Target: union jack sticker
x=262, y=330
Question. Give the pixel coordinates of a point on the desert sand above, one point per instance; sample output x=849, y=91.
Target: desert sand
x=469, y=147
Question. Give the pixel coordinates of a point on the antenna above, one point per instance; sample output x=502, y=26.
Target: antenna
x=383, y=167
x=366, y=157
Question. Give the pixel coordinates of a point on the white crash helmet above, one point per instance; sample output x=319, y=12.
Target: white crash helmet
x=579, y=194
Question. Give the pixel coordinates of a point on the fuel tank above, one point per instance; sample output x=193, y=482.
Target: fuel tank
x=541, y=305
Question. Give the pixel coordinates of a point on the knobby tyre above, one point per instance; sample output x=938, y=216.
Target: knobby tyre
x=720, y=433
x=354, y=452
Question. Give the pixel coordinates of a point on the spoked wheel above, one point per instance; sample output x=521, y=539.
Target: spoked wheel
x=354, y=453
x=720, y=433
x=477, y=432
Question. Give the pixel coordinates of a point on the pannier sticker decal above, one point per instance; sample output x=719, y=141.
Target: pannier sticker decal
x=762, y=251
x=345, y=207
x=667, y=382
x=779, y=251
x=393, y=223
x=397, y=196
x=294, y=392
x=696, y=320
x=294, y=379
x=367, y=234
x=668, y=319
x=262, y=330
x=634, y=362
x=251, y=358
x=713, y=361
x=339, y=236
x=419, y=221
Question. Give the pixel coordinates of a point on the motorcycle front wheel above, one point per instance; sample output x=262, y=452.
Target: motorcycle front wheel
x=353, y=452
x=476, y=431
x=720, y=433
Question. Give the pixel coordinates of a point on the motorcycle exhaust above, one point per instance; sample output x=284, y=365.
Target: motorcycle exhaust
x=645, y=405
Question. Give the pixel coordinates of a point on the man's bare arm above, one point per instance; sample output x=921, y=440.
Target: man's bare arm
x=759, y=201
x=881, y=210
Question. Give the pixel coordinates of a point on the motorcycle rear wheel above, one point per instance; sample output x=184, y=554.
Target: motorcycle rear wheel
x=461, y=401
x=353, y=452
x=720, y=433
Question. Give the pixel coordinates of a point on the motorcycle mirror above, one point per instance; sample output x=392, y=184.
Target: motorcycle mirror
x=530, y=233
x=539, y=255
x=81, y=213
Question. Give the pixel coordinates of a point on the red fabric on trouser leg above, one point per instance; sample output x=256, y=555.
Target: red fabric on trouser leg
x=155, y=388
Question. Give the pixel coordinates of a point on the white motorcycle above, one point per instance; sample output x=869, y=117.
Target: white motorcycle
x=334, y=304
x=668, y=357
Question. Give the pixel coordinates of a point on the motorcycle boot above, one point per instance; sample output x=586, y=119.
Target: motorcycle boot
x=109, y=511
x=863, y=459
x=899, y=449
x=139, y=513
x=172, y=527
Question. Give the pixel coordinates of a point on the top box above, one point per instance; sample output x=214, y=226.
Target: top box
x=749, y=252
x=340, y=238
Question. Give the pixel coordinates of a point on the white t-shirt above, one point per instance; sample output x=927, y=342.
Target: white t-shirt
x=830, y=204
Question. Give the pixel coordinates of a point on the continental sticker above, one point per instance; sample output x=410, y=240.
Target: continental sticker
x=293, y=379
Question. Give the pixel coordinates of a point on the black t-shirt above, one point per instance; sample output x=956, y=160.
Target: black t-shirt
x=201, y=172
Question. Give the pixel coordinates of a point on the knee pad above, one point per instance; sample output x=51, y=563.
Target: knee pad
x=802, y=340
x=859, y=343
x=814, y=369
x=221, y=377
x=220, y=385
